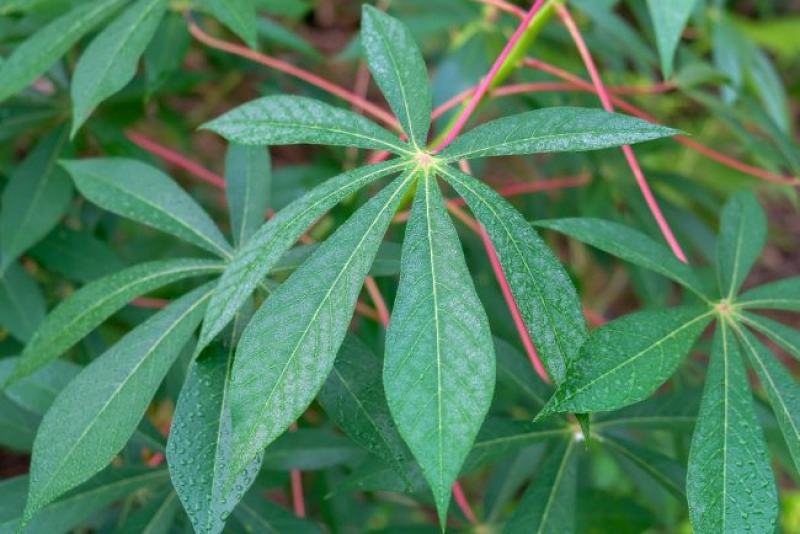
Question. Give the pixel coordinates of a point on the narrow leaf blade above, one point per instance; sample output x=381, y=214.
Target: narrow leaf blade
x=785, y=336
x=663, y=469
x=781, y=295
x=742, y=235
x=238, y=15
x=22, y=307
x=248, y=182
x=669, y=20
x=257, y=514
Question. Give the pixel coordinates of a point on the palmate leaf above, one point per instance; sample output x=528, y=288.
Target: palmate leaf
x=730, y=484
x=40, y=51
x=781, y=295
x=626, y=360
x=742, y=235
x=110, y=60
x=113, y=392
x=669, y=21
x=265, y=248
x=553, y=130
x=671, y=411
x=785, y=336
x=238, y=15
x=663, y=469
x=399, y=70
x=143, y=193
x=85, y=309
x=248, y=181
x=547, y=299
x=199, y=446
x=288, y=349
x=289, y=120
x=439, y=366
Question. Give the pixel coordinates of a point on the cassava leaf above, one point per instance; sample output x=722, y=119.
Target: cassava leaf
x=113, y=392
x=17, y=428
x=626, y=360
x=77, y=255
x=256, y=258
x=156, y=517
x=85, y=309
x=22, y=306
x=289, y=120
x=439, y=367
x=238, y=15
x=143, y=193
x=663, y=469
x=729, y=484
x=248, y=181
x=110, y=60
x=37, y=391
x=288, y=349
x=781, y=295
x=785, y=336
x=547, y=299
x=311, y=449
x=399, y=70
x=515, y=371
x=671, y=411
x=742, y=235
x=669, y=21
x=500, y=437
x=387, y=260
x=627, y=244
x=40, y=51
x=257, y=514
x=553, y=130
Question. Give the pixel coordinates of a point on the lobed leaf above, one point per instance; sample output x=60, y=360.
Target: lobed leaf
x=238, y=15
x=85, y=309
x=77, y=255
x=111, y=59
x=515, y=371
x=38, y=391
x=41, y=50
x=730, y=484
x=553, y=130
x=781, y=295
x=626, y=360
x=248, y=184
x=439, y=366
x=22, y=307
x=742, y=235
x=500, y=437
x=663, y=469
x=311, y=449
x=257, y=514
x=669, y=21
x=113, y=392
x=290, y=120
x=671, y=411
x=144, y=194
x=547, y=299
x=387, y=260
x=156, y=517
x=288, y=349
x=399, y=70
x=785, y=336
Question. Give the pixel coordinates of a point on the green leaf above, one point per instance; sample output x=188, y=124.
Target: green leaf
x=439, y=367
x=275, y=33
x=671, y=411
x=399, y=70
x=262, y=252
x=77, y=255
x=781, y=295
x=553, y=130
x=164, y=55
x=21, y=303
x=238, y=15
x=547, y=299
x=36, y=197
x=626, y=360
x=248, y=184
x=627, y=244
x=548, y=506
x=113, y=393
x=38, y=391
x=515, y=371
x=354, y=400
x=17, y=429
x=291, y=120
x=781, y=389
x=257, y=514
x=730, y=484
x=156, y=517
x=288, y=349
x=501, y=437
x=199, y=446
x=742, y=235
x=40, y=51
x=387, y=260
x=82, y=311
x=785, y=336
x=311, y=449
x=111, y=59
x=663, y=469
x=669, y=20
x=143, y=193
x=79, y=505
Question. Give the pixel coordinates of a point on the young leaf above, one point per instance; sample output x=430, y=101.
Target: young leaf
x=553, y=130
x=110, y=60
x=439, y=367
x=199, y=446
x=257, y=514
x=143, y=193
x=781, y=295
x=548, y=506
x=730, y=484
x=21, y=303
x=781, y=389
x=290, y=120
x=627, y=244
x=113, y=392
x=742, y=235
x=547, y=299
x=40, y=51
x=669, y=20
x=353, y=399
x=399, y=70
x=36, y=197
x=156, y=517
x=663, y=469
x=248, y=181
x=256, y=258
x=287, y=351
x=626, y=360
x=238, y=15
x=786, y=337
x=82, y=311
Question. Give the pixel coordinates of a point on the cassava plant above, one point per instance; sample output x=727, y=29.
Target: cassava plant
x=184, y=385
